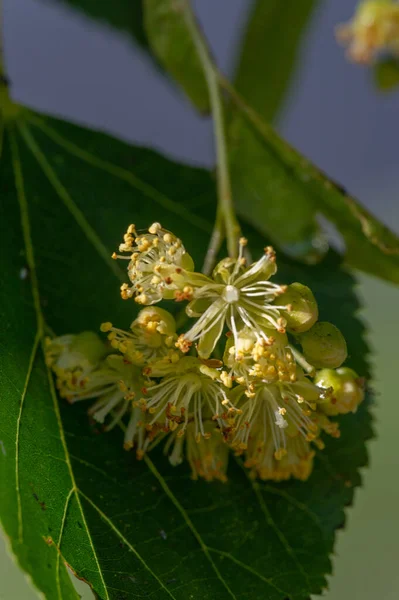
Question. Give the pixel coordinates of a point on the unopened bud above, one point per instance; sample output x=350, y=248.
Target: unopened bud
x=324, y=345
x=347, y=392
x=302, y=311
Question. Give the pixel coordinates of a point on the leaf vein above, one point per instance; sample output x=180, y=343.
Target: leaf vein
x=125, y=541
x=271, y=522
x=63, y=519
x=188, y=521
x=250, y=569
x=70, y=204
x=124, y=174
x=26, y=231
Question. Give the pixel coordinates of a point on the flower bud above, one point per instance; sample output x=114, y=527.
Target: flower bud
x=324, y=345
x=347, y=392
x=302, y=311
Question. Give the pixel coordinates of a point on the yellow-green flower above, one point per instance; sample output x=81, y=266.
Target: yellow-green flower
x=273, y=427
x=189, y=393
x=151, y=336
x=73, y=358
x=115, y=384
x=157, y=262
x=237, y=296
x=252, y=358
x=374, y=28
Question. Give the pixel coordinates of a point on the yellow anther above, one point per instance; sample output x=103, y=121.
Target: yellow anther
x=279, y=454
x=141, y=299
x=226, y=379
x=131, y=230
x=154, y=228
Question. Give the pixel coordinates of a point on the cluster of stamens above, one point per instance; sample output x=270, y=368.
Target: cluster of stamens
x=264, y=399
x=373, y=30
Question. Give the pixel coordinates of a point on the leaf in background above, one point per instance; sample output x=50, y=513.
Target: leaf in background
x=172, y=45
x=268, y=56
x=370, y=245
x=137, y=529
x=126, y=15
x=264, y=192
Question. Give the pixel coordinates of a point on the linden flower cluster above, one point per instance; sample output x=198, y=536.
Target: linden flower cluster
x=233, y=381
x=374, y=28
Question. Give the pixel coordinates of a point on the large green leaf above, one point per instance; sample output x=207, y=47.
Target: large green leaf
x=137, y=529
x=171, y=42
x=126, y=15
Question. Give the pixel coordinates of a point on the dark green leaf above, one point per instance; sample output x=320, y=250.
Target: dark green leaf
x=126, y=15
x=264, y=192
x=270, y=171
x=172, y=44
x=137, y=529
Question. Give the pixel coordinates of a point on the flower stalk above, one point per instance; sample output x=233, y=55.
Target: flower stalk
x=225, y=198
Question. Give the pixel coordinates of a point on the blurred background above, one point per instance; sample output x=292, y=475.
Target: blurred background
x=62, y=63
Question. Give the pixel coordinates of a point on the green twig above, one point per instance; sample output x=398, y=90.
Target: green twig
x=225, y=199
x=215, y=243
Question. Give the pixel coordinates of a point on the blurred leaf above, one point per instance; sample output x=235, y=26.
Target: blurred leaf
x=269, y=56
x=386, y=74
x=126, y=15
x=269, y=198
x=137, y=529
x=172, y=44
x=280, y=171
x=263, y=190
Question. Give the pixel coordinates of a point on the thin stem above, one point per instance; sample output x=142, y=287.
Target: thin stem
x=215, y=243
x=225, y=200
